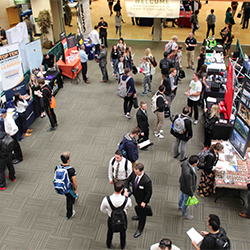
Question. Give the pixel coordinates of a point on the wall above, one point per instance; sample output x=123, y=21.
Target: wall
x=57, y=20
x=3, y=17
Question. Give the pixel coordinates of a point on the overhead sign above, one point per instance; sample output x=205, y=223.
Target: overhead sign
x=153, y=8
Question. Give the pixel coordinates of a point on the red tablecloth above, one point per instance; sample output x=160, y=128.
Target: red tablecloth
x=184, y=21
x=67, y=67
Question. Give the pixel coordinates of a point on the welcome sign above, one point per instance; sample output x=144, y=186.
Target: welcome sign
x=153, y=8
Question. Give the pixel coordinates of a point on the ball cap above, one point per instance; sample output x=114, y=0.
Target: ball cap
x=3, y=111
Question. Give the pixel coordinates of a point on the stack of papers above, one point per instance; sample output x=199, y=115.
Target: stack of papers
x=194, y=235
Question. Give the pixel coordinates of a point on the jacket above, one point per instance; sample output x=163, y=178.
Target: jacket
x=210, y=161
x=165, y=66
x=130, y=146
x=188, y=133
x=210, y=122
x=3, y=154
x=102, y=58
x=143, y=191
x=130, y=85
x=142, y=120
x=167, y=84
x=46, y=95
x=188, y=179
x=160, y=103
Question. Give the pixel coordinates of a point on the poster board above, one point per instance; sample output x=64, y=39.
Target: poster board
x=64, y=43
x=84, y=18
x=17, y=33
x=153, y=8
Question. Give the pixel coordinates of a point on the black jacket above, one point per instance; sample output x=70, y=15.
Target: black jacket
x=143, y=191
x=142, y=121
x=167, y=84
x=210, y=161
x=46, y=89
x=160, y=103
x=188, y=133
x=188, y=179
x=210, y=122
x=165, y=65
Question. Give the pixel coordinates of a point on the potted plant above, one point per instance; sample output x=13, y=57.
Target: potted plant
x=44, y=23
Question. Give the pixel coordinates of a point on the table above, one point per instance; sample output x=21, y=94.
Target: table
x=209, y=92
x=56, y=83
x=67, y=68
x=184, y=20
x=235, y=175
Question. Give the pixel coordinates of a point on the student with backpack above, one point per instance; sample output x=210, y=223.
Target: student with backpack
x=165, y=66
x=116, y=206
x=182, y=130
x=211, y=19
x=65, y=183
x=207, y=161
x=216, y=238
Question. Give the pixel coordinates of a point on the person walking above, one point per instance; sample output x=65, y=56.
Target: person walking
x=246, y=16
x=201, y=58
x=11, y=129
x=68, y=14
x=118, y=24
x=142, y=191
x=47, y=95
x=144, y=64
x=114, y=58
x=152, y=62
x=103, y=26
x=108, y=206
x=194, y=20
x=193, y=93
x=234, y=5
x=73, y=193
x=188, y=184
x=110, y=4
x=94, y=36
x=165, y=65
x=102, y=59
x=29, y=28
x=84, y=59
x=190, y=43
x=182, y=135
x=228, y=15
x=211, y=19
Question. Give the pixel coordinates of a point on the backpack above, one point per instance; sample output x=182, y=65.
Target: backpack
x=168, y=47
x=7, y=143
x=153, y=103
x=182, y=74
x=179, y=125
x=62, y=182
x=122, y=148
x=122, y=88
x=118, y=216
x=221, y=241
x=126, y=166
x=210, y=19
x=202, y=157
x=165, y=67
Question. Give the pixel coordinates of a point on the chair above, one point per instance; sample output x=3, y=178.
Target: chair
x=74, y=71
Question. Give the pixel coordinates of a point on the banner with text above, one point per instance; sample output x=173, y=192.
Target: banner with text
x=153, y=8
x=11, y=67
x=84, y=18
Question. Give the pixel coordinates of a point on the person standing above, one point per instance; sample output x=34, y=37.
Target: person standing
x=120, y=168
x=110, y=3
x=182, y=136
x=11, y=129
x=142, y=191
x=94, y=36
x=190, y=43
x=129, y=145
x=210, y=238
x=165, y=65
x=131, y=92
x=246, y=16
x=68, y=14
x=109, y=203
x=201, y=58
x=5, y=161
x=118, y=23
x=103, y=26
x=188, y=184
x=46, y=91
x=228, y=15
x=193, y=93
x=247, y=214
x=144, y=64
x=234, y=5
x=29, y=28
x=84, y=59
x=160, y=104
x=211, y=19
x=142, y=123
x=171, y=83
x=70, y=196
x=102, y=59
x=114, y=58
x=164, y=244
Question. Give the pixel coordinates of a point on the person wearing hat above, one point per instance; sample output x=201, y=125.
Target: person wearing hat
x=11, y=128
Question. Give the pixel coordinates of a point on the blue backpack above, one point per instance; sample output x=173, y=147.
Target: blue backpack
x=61, y=181
x=122, y=148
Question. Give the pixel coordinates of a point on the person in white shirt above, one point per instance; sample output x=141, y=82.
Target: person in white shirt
x=193, y=93
x=144, y=64
x=20, y=105
x=94, y=36
x=117, y=200
x=119, y=168
x=11, y=129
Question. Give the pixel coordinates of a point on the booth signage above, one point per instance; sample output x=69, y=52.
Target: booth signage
x=84, y=18
x=153, y=8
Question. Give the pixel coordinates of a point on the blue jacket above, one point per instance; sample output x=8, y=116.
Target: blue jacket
x=130, y=84
x=130, y=146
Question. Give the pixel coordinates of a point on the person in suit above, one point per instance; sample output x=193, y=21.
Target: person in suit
x=188, y=183
x=102, y=59
x=142, y=191
x=142, y=123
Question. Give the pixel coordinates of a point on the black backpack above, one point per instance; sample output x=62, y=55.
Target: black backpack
x=7, y=143
x=118, y=216
x=165, y=67
x=221, y=241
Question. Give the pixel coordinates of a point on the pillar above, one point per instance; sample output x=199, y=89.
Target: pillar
x=157, y=29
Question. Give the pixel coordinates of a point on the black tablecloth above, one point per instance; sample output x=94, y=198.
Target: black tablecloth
x=209, y=92
x=56, y=83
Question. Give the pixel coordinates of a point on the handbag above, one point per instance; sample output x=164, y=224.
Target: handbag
x=232, y=22
x=239, y=14
x=146, y=211
x=135, y=102
x=52, y=101
x=191, y=202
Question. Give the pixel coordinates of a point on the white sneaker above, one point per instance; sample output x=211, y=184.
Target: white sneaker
x=188, y=217
x=161, y=131
x=74, y=212
x=159, y=136
x=195, y=122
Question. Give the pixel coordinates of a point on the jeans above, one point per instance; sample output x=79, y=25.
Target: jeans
x=146, y=81
x=182, y=201
x=115, y=66
x=120, y=30
x=183, y=147
x=194, y=104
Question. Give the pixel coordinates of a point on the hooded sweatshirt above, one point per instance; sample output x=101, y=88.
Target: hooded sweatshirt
x=130, y=146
